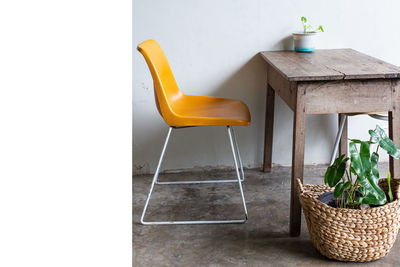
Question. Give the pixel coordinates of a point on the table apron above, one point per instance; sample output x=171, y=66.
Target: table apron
x=282, y=87
x=348, y=96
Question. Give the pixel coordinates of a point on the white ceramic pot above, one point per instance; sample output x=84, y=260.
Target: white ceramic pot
x=304, y=42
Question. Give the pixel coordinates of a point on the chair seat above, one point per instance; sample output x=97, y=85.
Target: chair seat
x=206, y=111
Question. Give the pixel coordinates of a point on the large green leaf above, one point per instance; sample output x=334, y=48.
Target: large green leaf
x=340, y=188
x=357, y=141
x=361, y=190
x=374, y=164
x=335, y=172
x=356, y=165
x=384, y=142
x=365, y=166
x=373, y=179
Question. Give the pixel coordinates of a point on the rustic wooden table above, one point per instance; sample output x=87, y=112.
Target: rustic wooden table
x=322, y=82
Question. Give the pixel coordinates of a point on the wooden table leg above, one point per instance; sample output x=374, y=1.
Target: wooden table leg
x=343, y=139
x=394, y=134
x=394, y=128
x=269, y=128
x=299, y=131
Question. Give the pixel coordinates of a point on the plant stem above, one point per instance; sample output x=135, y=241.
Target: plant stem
x=343, y=199
x=353, y=189
x=350, y=191
x=390, y=194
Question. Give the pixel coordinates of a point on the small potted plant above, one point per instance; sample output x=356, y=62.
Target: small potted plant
x=359, y=219
x=305, y=41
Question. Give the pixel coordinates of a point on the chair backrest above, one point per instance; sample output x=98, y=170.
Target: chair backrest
x=166, y=90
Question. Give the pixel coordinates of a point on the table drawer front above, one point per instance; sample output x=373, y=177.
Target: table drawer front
x=352, y=96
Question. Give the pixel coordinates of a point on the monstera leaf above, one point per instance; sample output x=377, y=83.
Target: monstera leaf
x=365, y=166
x=336, y=171
x=379, y=136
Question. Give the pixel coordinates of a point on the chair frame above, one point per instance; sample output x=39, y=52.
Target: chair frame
x=240, y=178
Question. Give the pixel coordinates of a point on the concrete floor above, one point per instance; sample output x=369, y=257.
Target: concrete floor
x=262, y=241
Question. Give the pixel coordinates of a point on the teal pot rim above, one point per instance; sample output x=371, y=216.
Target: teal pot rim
x=304, y=50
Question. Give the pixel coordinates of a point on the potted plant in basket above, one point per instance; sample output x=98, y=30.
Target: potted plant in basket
x=305, y=41
x=359, y=220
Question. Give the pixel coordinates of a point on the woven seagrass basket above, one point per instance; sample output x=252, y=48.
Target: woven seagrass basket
x=351, y=234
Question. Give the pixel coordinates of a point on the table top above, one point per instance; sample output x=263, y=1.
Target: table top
x=329, y=64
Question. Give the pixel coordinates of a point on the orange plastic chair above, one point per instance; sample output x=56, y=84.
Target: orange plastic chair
x=179, y=111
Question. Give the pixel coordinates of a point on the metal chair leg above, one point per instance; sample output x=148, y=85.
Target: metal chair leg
x=239, y=180
x=238, y=154
x=155, y=176
x=237, y=171
x=343, y=119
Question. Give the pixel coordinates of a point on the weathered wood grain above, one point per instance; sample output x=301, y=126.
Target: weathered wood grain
x=348, y=96
x=269, y=129
x=343, y=139
x=394, y=127
x=329, y=64
x=299, y=135
x=285, y=89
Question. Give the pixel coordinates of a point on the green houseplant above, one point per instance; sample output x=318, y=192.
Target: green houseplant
x=347, y=231
x=307, y=28
x=364, y=189
x=305, y=41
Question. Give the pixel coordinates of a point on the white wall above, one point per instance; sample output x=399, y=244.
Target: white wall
x=213, y=46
